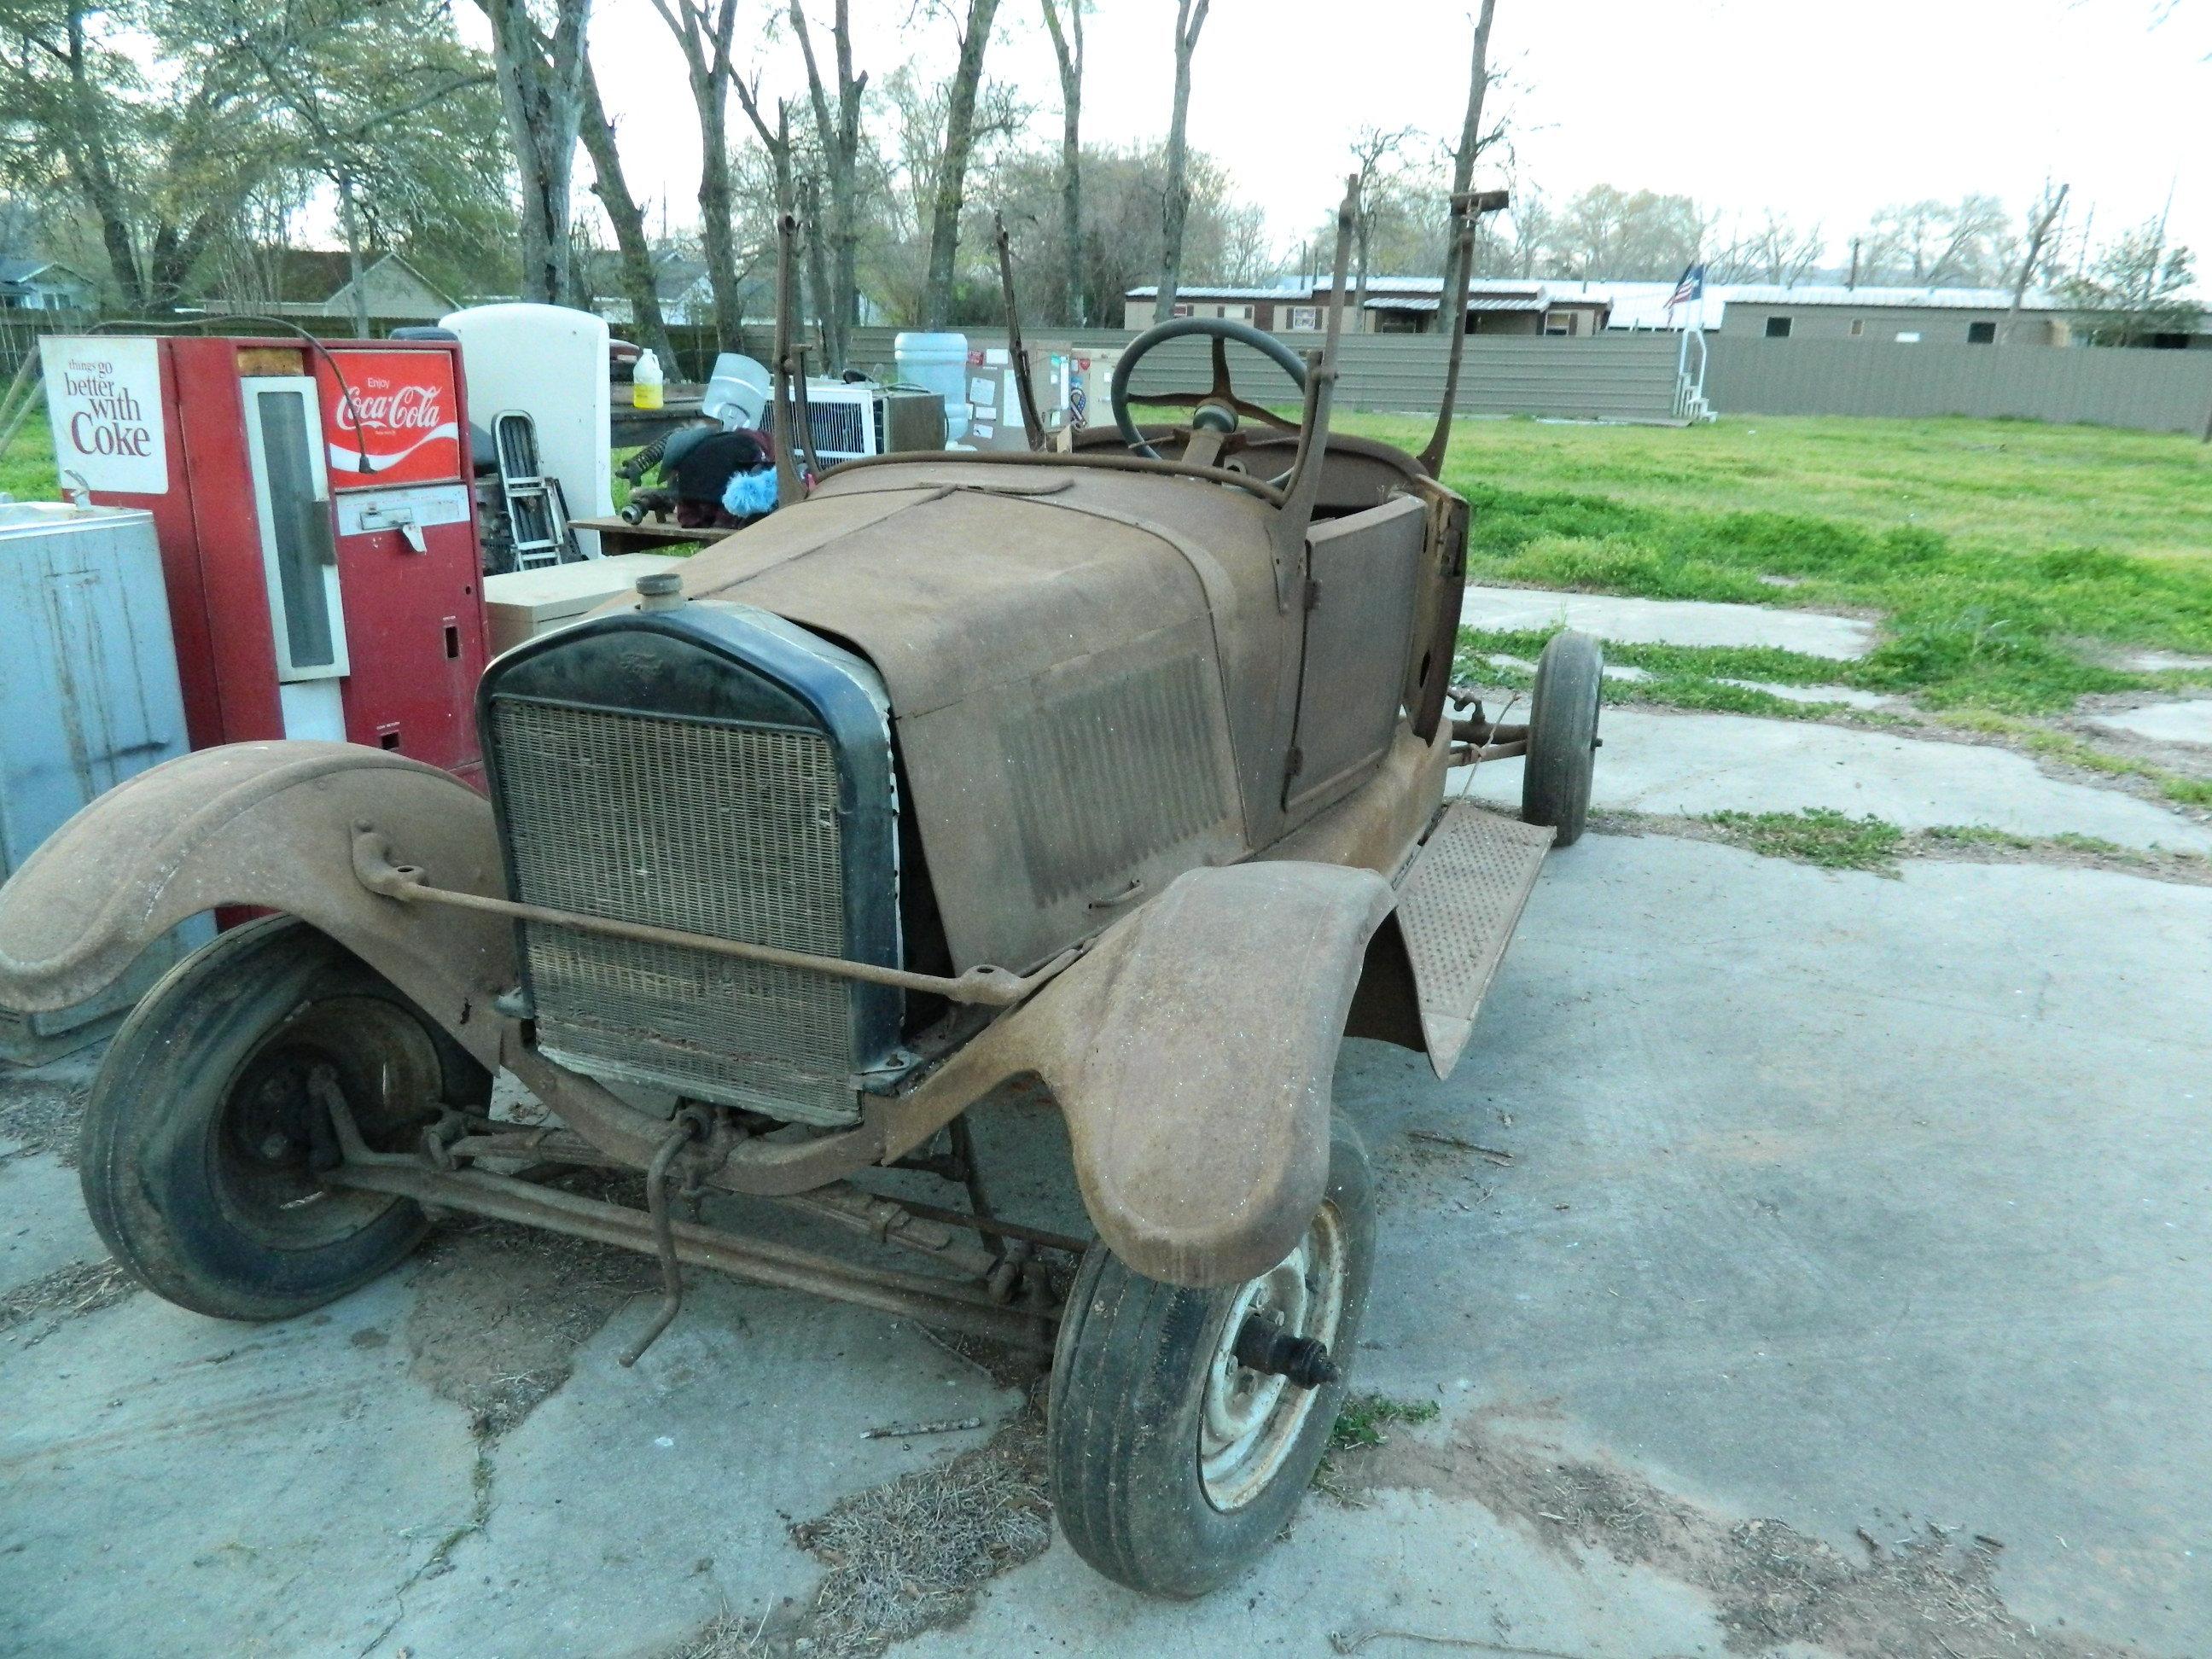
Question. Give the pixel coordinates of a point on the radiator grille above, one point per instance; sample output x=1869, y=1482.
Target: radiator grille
x=725, y=829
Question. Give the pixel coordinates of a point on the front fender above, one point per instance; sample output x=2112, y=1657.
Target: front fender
x=1191, y=1052
x=267, y=824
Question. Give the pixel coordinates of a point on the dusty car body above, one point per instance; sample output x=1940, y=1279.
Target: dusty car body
x=1115, y=776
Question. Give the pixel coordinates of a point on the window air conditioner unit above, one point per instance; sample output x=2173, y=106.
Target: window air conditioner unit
x=850, y=419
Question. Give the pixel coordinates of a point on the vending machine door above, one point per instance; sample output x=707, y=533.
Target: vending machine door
x=299, y=554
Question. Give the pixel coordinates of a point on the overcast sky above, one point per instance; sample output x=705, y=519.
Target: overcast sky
x=1826, y=110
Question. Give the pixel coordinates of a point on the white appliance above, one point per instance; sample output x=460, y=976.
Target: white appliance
x=550, y=363
x=851, y=418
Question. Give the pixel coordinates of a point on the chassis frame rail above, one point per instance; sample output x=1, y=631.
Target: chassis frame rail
x=932, y=1301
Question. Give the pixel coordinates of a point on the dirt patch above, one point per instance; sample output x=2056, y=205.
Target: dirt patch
x=1931, y=1596
x=51, y=1299
x=500, y=1311
x=42, y=1114
x=905, y=1557
x=910, y=1555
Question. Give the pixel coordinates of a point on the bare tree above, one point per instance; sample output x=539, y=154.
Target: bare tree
x=1782, y=252
x=634, y=251
x=838, y=137
x=705, y=37
x=1190, y=18
x=541, y=87
x=1067, y=48
x=2040, y=218
x=952, y=166
x=1373, y=152
x=1472, y=142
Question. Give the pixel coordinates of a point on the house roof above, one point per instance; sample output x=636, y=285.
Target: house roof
x=1151, y=291
x=316, y=276
x=13, y=270
x=1916, y=298
x=1427, y=303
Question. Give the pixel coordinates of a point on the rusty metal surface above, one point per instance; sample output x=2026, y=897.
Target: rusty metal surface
x=1191, y=1053
x=1457, y=911
x=992, y=987
x=270, y=825
x=939, y=1302
x=1363, y=574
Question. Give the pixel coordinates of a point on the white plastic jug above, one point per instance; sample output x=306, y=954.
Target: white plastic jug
x=645, y=381
x=938, y=361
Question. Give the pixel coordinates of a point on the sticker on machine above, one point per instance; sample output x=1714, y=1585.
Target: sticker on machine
x=390, y=417
x=104, y=399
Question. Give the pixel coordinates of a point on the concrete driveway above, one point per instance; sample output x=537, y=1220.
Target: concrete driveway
x=1825, y=1271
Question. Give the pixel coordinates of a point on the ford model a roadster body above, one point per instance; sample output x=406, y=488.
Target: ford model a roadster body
x=1116, y=776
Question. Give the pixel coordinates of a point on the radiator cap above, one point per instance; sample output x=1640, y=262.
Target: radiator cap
x=661, y=591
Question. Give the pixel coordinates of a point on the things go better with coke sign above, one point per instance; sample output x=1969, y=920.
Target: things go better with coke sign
x=395, y=419
x=104, y=399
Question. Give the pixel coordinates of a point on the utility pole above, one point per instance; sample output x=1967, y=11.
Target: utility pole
x=1853, y=281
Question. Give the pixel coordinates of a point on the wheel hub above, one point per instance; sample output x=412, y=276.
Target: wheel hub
x=1268, y=1368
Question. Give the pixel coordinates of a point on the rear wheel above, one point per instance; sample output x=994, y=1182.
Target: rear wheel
x=203, y=1140
x=1555, y=778
x=1174, y=1461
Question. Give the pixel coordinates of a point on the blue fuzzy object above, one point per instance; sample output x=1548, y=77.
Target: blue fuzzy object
x=750, y=495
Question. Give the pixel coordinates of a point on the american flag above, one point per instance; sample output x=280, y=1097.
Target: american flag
x=1692, y=285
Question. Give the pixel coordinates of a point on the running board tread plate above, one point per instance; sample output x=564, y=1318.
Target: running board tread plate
x=1456, y=912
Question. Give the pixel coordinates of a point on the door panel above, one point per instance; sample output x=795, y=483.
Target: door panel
x=1363, y=574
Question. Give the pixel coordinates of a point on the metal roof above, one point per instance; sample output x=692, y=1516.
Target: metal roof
x=1918, y=299
x=1429, y=302
x=1151, y=291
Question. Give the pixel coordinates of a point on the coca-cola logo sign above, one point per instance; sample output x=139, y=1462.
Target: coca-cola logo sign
x=390, y=417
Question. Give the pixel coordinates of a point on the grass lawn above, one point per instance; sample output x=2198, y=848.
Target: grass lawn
x=2000, y=553
x=27, y=470
x=2003, y=556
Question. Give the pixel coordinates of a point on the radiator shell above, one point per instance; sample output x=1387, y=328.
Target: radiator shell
x=716, y=770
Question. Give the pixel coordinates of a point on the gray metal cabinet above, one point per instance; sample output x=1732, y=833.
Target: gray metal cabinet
x=89, y=696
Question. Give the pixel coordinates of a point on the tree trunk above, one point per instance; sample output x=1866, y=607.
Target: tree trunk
x=840, y=139
x=706, y=43
x=1190, y=18
x=541, y=90
x=349, y=221
x=628, y=218
x=2038, y=232
x=1470, y=144
x=818, y=300
x=952, y=169
x=1364, y=234
x=86, y=153
x=1067, y=47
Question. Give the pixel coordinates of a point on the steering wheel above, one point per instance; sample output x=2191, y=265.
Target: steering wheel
x=1216, y=408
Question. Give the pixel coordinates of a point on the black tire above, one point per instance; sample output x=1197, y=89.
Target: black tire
x=1555, y=778
x=1127, y=1409
x=200, y=1141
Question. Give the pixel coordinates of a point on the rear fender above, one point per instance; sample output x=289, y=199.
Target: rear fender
x=271, y=825
x=1191, y=1052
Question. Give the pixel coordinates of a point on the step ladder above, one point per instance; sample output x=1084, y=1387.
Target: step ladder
x=537, y=511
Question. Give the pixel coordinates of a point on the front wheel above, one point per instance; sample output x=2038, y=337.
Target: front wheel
x=1184, y=1426
x=203, y=1140
x=1555, y=778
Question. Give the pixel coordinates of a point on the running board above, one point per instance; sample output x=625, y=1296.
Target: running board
x=1457, y=910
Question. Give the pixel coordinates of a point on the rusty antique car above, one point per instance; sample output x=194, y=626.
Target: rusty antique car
x=1117, y=774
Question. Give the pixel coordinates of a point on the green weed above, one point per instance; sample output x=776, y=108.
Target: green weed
x=1818, y=835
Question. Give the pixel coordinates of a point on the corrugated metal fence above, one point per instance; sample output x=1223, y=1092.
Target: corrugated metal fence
x=2151, y=391
x=1626, y=377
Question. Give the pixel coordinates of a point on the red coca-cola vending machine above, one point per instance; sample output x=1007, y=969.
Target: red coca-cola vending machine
x=318, y=532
